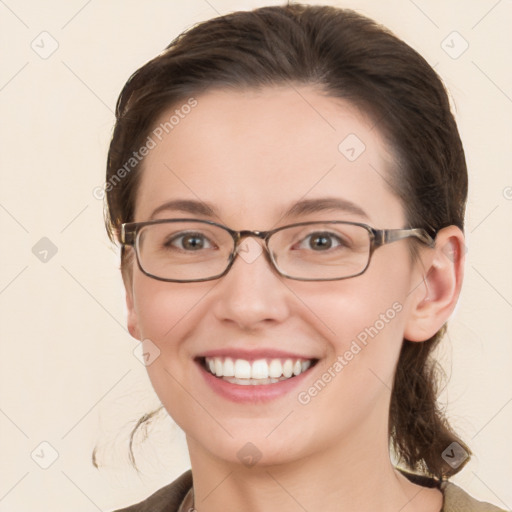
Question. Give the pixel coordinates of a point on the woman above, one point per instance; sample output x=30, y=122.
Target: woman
x=288, y=186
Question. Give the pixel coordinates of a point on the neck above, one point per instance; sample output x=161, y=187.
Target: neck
x=353, y=475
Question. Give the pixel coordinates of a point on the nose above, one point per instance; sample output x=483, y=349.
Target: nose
x=252, y=293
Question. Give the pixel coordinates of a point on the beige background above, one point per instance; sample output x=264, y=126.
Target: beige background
x=69, y=378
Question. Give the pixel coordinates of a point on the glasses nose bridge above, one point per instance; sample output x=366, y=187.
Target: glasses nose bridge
x=240, y=236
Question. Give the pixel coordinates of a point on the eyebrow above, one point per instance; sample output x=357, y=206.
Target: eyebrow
x=322, y=204
x=185, y=206
x=302, y=207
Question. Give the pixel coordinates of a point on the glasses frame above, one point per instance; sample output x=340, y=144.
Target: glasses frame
x=378, y=238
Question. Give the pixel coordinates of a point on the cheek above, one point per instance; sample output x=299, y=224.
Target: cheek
x=165, y=313
x=168, y=315
x=349, y=309
x=162, y=308
x=366, y=332
x=364, y=320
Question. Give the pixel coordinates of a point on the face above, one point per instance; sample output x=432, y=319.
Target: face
x=251, y=156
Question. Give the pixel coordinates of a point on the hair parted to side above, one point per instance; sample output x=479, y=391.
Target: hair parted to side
x=344, y=55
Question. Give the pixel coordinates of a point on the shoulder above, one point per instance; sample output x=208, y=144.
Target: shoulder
x=167, y=499
x=457, y=499
x=170, y=497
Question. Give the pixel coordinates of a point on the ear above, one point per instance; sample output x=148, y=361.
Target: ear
x=132, y=318
x=438, y=284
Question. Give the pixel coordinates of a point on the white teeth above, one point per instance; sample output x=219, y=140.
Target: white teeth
x=242, y=369
x=228, y=369
x=275, y=368
x=288, y=368
x=218, y=368
x=260, y=371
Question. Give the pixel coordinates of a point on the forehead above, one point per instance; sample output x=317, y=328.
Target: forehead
x=252, y=153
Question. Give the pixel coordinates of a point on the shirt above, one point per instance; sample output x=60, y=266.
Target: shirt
x=178, y=497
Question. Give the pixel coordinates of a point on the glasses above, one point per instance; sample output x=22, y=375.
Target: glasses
x=189, y=250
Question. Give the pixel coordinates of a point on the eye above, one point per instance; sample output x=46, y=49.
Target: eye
x=191, y=241
x=322, y=241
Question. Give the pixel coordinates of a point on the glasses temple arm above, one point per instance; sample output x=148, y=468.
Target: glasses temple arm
x=127, y=235
x=387, y=236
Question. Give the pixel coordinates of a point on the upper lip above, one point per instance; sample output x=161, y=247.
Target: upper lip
x=250, y=355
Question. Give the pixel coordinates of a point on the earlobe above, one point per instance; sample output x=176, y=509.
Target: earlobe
x=132, y=319
x=133, y=327
x=441, y=269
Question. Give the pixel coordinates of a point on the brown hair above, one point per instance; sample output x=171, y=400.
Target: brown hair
x=347, y=56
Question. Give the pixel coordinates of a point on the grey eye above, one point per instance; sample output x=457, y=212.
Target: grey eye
x=321, y=241
x=189, y=242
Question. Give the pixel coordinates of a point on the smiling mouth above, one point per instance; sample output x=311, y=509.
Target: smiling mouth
x=258, y=372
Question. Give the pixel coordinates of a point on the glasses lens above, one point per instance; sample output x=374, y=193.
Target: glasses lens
x=321, y=250
x=184, y=250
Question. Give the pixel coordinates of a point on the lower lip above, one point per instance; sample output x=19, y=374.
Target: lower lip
x=251, y=393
